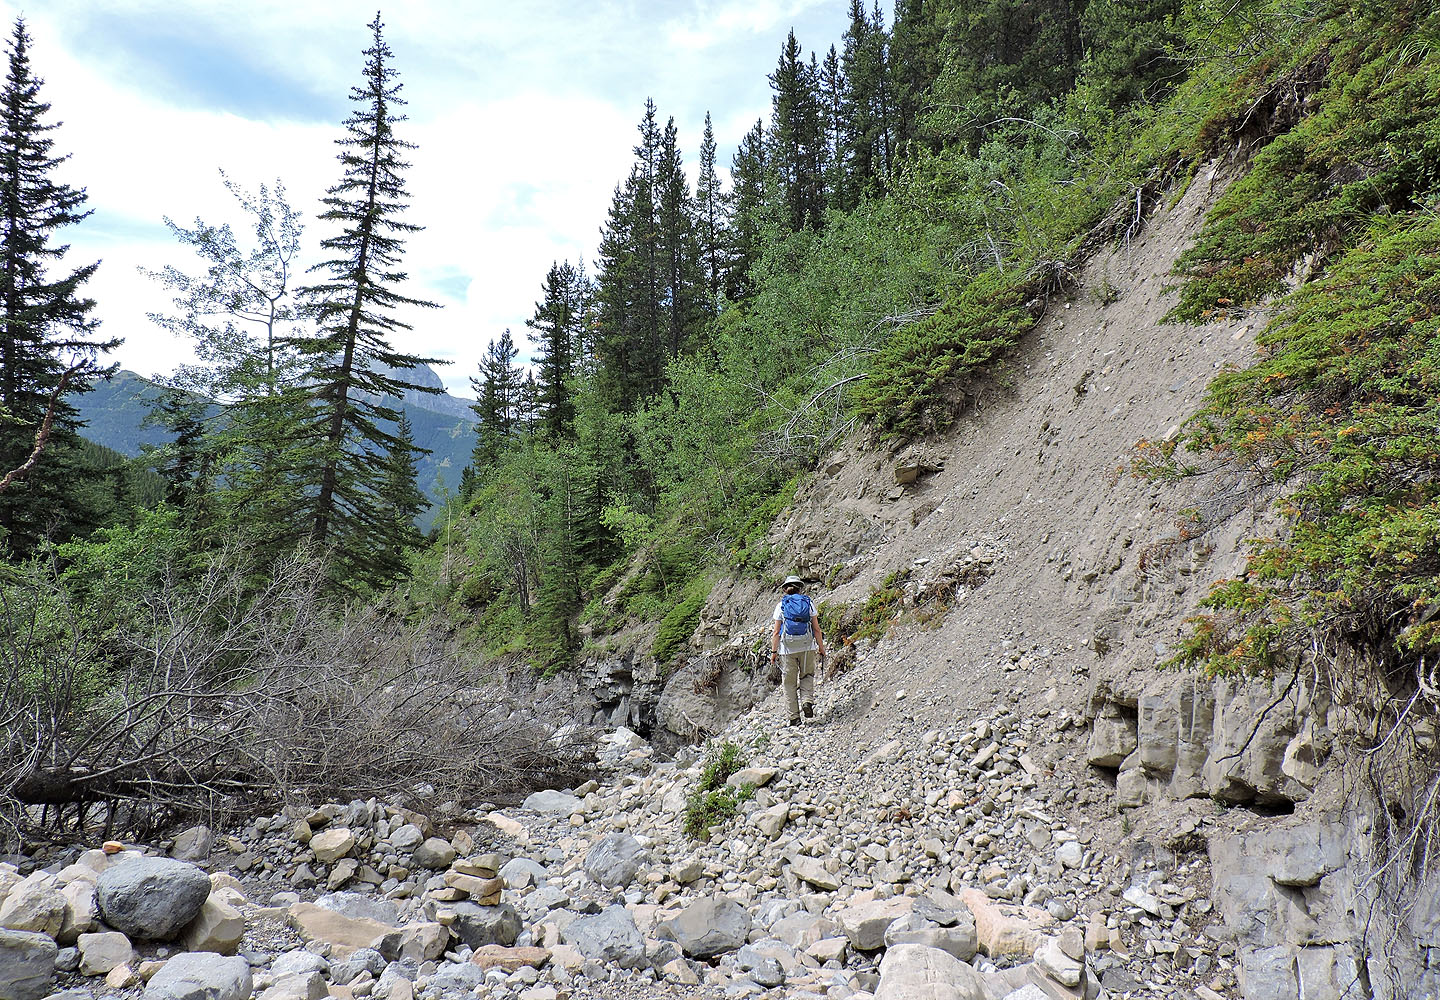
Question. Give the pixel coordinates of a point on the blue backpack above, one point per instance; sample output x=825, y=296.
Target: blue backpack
x=797, y=610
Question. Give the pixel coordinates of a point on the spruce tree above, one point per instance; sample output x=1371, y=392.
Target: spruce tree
x=752, y=206
x=399, y=499
x=47, y=335
x=710, y=216
x=916, y=58
x=348, y=386
x=558, y=330
x=866, y=141
x=682, y=280
x=797, y=138
x=498, y=406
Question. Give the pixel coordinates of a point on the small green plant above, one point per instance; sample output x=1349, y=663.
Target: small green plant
x=882, y=608
x=679, y=622
x=713, y=801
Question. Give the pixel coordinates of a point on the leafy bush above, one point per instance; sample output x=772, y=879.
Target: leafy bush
x=1344, y=403
x=679, y=622
x=713, y=802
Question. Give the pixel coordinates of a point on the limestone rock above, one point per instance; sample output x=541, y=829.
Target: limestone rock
x=757, y=776
x=333, y=844
x=220, y=927
x=151, y=899
x=200, y=975
x=418, y=942
x=958, y=939
x=193, y=844
x=494, y=956
x=1057, y=965
x=771, y=821
x=34, y=904
x=915, y=972
x=710, y=926
x=433, y=854
x=343, y=931
x=1113, y=737
x=865, y=924
x=812, y=870
x=297, y=986
x=99, y=953
x=1002, y=929
x=615, y=860
x=609, y=936
x=552, y=801
x=27, y=965
x=481, y=925
x=82, y=912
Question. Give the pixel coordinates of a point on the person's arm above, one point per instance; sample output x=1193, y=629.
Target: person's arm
x=819, y=636
x=775, y=641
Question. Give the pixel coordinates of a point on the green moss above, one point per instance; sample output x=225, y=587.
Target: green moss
x=679, y=622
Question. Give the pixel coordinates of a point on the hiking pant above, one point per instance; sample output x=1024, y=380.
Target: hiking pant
x=797, y=676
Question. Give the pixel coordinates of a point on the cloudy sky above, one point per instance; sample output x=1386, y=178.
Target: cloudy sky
x=524, y=114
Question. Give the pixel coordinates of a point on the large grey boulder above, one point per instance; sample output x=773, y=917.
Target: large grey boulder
x=610, y=936
x=27, y=965
x=615, y=860
x=915, y=972
x=552, y=801
x=958, y=939
x=151, y=898
x=865, y=924
x=478, y=925
x=201, y=975
x=710, y=926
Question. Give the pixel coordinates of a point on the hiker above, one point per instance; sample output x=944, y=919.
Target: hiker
x=796, y=642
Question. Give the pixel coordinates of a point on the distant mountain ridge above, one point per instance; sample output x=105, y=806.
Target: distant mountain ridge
x=116, y=409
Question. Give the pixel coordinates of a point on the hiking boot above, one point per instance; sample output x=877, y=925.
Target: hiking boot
x=809, y=711
x=795, y=721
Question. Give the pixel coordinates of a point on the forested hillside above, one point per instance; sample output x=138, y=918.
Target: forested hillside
x=920, y=192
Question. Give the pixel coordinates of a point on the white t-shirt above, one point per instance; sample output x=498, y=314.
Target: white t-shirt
x=794, y=643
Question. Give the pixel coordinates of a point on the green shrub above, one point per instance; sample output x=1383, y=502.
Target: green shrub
x=679, y=622
x=713, y=802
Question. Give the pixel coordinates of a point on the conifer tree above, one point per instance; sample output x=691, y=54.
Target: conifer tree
x=499, y=388
x=752, y=206
x=797, y=139
x=710, y=216
x=682, y=280
x=348, y=385
x=867, y=139
x=47, y=335
x=558, y=330
x=916, y=57
x=399, y=499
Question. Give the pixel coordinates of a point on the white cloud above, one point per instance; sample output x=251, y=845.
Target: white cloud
x=523, y=115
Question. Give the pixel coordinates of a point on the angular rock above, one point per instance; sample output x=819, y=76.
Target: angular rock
x=407, y=837
x=299, y=962
x=802, y=930
x=333, y=844
x=481, y=925
x=424, y=941
x=771, y=821
x=344, y=933
x=27, y=965
x=958, y=939
x=1003, y=929
x=434, y=854
x=520, y=872
x=34, y=904
x=99, y=953
x=812, y=870
x=757, y=776
x=832, y=949
x=1053, y=961
x=494, y=956
x=193, y=844
x=82, y=912
x=297, y=986
x=200, y=975
x=1113, y=737
x=151, y=899
x=865, y=924
x=553, y=802
x=710, y=926
x=915, y=972
x=615, y=859
x=609, y=936
x=1069, y=854
x=220, y=927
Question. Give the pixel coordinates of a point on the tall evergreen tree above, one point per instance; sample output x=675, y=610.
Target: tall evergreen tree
x=47, y=335
x=351, y=356
x=682, y=279
x=630, y=340
x=867, y=138
x=797, y=138
x=916, y=57
x=752, y=206
x=499, y=403
x=558, y=331
x=399, y=499
x=710, y=216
